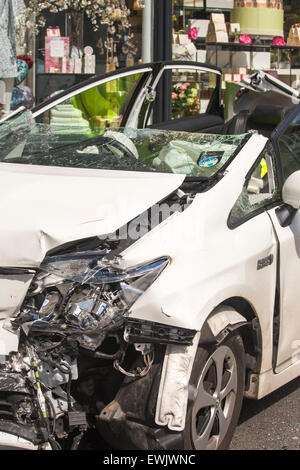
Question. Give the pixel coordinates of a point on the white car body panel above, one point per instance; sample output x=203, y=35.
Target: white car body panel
x=50, y=204
x=289, y=332
x=13, y=289
x=192, y=240
x=268, y=382
x=9, y=341
x=173, y=391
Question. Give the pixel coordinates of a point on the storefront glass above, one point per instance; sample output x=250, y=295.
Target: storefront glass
x=86, y=52
x=245, y=42
x=239, y=36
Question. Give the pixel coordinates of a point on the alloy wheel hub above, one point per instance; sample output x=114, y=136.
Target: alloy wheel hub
x=215, y=400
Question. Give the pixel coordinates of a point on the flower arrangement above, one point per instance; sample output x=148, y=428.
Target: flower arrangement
x=278, y=41
x=98, y=11
x=193, y=33
x=26, y=59
x=185, y=99
x=245, y=39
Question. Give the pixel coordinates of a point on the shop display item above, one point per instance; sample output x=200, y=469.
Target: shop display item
x=26, y=59
x=193, y=33
x=66, y=115
x=185, y=99
x=245, y=39
x=53, y=32
x=22, y=69
x=278, y=41
x=89, y=60
x=8, y=19
x=2, y=94
x=56, y=54
x=98, y=12
x=219, y=4
x=201, y=26
x=78, y=65
x=183, y=48
x=235, y=28
x=193, y=3
x=10, y=12
x=217, y=30
x=276, y=4
x=110, y=63
x=265, y=18
x=294, y=35
x=21, y=96
x=28, y=96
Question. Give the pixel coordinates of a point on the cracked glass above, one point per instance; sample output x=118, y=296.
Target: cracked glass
x=24, y=141
x=259, y=190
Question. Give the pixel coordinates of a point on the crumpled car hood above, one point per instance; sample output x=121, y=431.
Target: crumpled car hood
x=44, y=207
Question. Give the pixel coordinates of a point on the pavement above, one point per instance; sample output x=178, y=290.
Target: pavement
x=272, y=423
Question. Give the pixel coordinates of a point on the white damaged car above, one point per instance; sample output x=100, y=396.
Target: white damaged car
x=149, y=269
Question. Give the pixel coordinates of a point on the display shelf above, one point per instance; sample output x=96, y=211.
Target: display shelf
x=229, y=56
x=239, y=46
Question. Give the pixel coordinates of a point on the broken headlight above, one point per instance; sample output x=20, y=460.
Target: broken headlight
x=87, y=295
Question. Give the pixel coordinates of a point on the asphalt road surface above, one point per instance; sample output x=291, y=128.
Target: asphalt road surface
x=272, y=423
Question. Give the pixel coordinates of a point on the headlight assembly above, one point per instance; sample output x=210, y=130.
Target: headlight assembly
x=94, y=269
x=86, y=295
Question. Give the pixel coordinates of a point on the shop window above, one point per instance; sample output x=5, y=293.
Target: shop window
x=260, y=189
x=95, y=108
x=88, y=51
x=191, y=92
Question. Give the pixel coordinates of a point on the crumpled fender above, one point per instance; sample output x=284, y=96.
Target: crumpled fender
x=222, y=318
x=173, y=390
x=172, y=398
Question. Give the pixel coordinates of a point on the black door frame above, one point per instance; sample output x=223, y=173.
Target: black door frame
x=162, y=51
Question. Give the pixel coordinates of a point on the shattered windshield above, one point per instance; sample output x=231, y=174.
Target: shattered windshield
x=198, y=155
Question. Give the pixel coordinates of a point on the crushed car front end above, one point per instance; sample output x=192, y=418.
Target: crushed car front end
x=82, y=365
x=71, y=351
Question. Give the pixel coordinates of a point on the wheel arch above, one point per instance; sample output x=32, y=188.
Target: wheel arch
x=236, y=313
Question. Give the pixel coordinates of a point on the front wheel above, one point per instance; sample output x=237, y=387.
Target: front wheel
x=217, y=386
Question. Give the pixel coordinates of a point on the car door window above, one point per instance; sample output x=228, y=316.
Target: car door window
x=191, y=92
x=99, y=106
x=260, y=189
x=187, y=99
x=289, y=148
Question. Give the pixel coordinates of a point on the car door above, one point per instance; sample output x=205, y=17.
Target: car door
x=286, y=141
x=134, y=96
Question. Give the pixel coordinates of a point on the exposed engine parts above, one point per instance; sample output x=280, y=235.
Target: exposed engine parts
x=52, y=390
x=76, y=347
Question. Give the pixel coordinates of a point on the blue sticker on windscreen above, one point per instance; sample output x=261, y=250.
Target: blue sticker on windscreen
x=210, y=158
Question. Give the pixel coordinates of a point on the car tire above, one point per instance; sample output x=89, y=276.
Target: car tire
x=215, y=395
